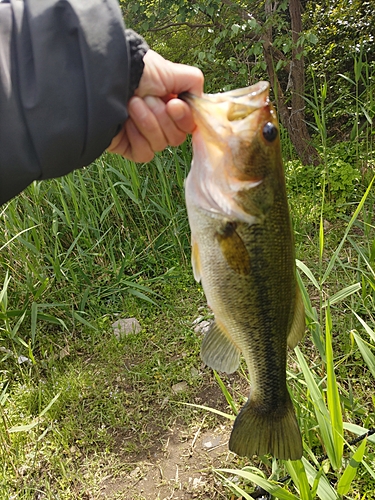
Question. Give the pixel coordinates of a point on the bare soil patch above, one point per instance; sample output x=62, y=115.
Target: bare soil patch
x=179, y=464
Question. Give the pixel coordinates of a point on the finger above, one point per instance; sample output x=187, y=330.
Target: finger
x=171, y=131
x=185, y=79
x=120, y=144
x=162, y=77
x=181, y=114
x=147, y=123
x=140, y=149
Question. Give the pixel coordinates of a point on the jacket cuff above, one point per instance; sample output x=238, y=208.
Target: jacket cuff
x=137, y=49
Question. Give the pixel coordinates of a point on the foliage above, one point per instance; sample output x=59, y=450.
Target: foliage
x=345, y=33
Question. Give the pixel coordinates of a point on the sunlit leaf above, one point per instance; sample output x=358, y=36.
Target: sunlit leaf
x=268, y=486
x=367, y=355
x=333, y=398
x=350, y=472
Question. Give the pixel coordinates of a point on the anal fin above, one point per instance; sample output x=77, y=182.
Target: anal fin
x=218, y=350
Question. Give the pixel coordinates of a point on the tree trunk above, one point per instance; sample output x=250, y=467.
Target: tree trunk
x=293, y=118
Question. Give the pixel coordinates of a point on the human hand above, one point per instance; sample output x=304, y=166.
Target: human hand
x=156, y=117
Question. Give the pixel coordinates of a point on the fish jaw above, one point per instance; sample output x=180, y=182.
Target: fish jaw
x=228, y=133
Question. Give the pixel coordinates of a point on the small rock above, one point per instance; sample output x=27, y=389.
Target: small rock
x=198, y=482
x=123, y=327
x=194, y=372
x=135, y=472
x=202, y=327
x=24, y=359
x=211, y=441
x=180, y=387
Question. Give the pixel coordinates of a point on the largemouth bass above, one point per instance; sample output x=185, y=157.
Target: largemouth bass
x=243, y=253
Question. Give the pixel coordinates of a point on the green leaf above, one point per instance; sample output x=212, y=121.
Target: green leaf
x=324, y=489
x=343, y=294
x=367, y=355
x=226, y=393
x=297, y=472
x=79, y=318
x=348, y=227
x=312, y=38
x=268, y=486
x=235, y=28
x=333, y=398
x=350, y=472
x=28, y=427
x=321, y=411
x=308, y=273
x=365, y=325
x=358, y=430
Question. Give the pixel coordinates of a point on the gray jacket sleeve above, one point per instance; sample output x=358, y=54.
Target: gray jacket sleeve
x=65, y=79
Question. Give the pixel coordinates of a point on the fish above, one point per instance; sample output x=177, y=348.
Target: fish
x=243, y=254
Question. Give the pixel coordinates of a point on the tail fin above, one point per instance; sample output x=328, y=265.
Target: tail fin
x=259, y=432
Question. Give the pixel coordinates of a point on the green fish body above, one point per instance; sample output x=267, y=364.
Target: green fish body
x=243, y=253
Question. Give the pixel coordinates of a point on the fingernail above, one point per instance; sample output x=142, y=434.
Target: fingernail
x=154, y=103
x=179, y=114
x=138, y=107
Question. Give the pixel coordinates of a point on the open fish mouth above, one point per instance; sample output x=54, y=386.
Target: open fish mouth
x=222, y=114
x=237, y=104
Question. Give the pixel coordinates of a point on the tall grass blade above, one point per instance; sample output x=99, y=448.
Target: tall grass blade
x=365, y=326
x=321, y=236
x=367, y=355
x=350, y=472
x=324, y=489
x=308, y=273
x=333, y=398
x=321, y=411
x=28, y=427
x=348, y=227
x=359, y=431
x=225, y=391
x=268, y=486
x=342, y=294
x=297, y=472
x=234, y=487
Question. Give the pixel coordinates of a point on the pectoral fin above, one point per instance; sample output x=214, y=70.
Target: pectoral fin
x=234, y=249
x=298, y=325
x=218, y=351
x=195, y=260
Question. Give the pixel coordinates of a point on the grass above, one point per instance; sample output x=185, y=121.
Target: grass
x=79, y=406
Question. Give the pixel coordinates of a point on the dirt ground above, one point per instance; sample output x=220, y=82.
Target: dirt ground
x=180, y=464
x=181, y=470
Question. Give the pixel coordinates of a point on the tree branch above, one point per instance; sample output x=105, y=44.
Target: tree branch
x=174, y=25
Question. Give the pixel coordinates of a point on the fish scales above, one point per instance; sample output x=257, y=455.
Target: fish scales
x=243, y=253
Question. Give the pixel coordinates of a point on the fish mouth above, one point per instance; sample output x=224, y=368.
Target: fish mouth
x=235, y=104
x=229, y=113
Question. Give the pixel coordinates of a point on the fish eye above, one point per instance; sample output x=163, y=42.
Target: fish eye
x=270, y=132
